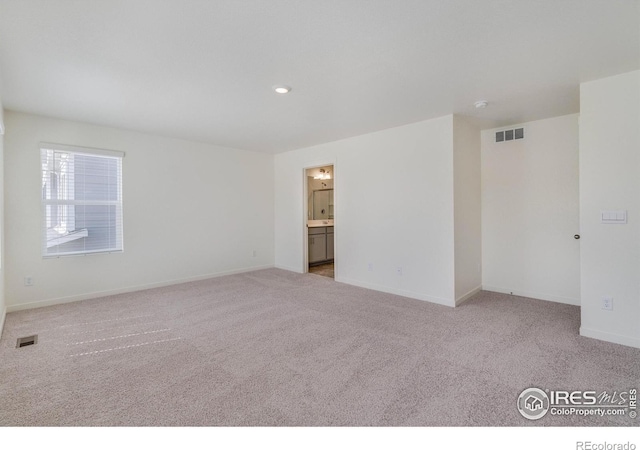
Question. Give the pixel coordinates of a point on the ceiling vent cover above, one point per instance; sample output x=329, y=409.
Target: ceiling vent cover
x=509, y=135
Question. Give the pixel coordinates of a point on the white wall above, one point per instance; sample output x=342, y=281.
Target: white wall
x=191, y=210
x=467, y=214
x=530, y=211
x=610, y=180
x=2, y=259
x=393, y=208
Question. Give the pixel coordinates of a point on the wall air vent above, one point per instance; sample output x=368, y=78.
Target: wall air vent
x=28, y=340
x=509, y=135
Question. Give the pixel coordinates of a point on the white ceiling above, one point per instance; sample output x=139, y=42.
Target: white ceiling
x=203, y=69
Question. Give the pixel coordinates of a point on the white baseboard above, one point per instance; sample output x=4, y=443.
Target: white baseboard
x=536, y=295
x=610, y=337
x=98, y=294
x=3, y=316
x=401, y=292
x=290, y=269
x=468, y=295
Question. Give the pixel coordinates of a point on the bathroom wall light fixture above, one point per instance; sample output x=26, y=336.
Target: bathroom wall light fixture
x=323, y=175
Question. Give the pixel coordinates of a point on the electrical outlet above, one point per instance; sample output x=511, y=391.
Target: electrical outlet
x=370, y=267
x=255, y=253
x=28, y=280
x=607, y=303
x=398, y=270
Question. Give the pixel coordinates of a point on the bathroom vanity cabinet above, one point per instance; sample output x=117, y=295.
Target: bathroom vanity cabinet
x=320, y=244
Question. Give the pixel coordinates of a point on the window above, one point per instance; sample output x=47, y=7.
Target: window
x=81, y=200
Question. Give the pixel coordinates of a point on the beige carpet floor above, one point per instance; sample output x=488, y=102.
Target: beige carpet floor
x=277, y=348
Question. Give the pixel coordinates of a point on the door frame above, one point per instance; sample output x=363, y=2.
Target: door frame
x=305, y=212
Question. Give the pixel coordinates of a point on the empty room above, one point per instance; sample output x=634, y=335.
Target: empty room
x=319, y=213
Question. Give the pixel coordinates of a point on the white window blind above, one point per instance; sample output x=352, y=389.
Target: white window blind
x=81, y=200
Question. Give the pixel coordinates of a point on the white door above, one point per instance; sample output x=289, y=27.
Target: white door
x=530, y=211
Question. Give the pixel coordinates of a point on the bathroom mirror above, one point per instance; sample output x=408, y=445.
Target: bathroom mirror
x=322, y=204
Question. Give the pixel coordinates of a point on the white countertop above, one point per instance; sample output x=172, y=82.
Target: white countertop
x=319, y=223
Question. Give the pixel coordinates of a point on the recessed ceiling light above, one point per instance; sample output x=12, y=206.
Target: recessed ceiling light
x=480, y=104
x=281, y=89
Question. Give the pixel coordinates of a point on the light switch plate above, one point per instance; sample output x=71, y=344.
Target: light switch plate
x=615, y=217
x=607, y=303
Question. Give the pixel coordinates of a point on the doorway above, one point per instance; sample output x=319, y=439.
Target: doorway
x=320, y=216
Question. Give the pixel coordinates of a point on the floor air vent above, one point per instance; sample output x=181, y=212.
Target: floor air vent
x=28, y=340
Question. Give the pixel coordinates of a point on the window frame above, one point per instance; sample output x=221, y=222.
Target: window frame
x=75, y=234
